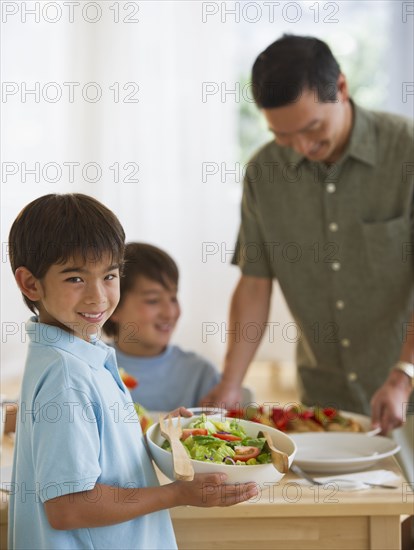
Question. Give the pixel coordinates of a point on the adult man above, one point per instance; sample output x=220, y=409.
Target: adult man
x=328, y=211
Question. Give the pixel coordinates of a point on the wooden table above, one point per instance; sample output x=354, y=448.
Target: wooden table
x=292, y=516
x=288, y=516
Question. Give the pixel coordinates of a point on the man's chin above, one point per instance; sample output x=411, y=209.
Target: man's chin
x=321, y=154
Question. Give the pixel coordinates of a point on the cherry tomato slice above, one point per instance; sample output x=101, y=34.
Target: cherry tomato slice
x=195, y=431
x=245, y=453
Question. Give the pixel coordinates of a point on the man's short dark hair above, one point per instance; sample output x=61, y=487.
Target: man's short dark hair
x=291, y=65
x=144, y=260
x=55, y=228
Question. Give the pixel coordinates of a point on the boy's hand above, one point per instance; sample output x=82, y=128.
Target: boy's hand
x=181, y=411
x=210, y=490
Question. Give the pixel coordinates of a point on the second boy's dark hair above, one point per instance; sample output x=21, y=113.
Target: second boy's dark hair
x=144, y=260
x=291, y=65
x=55, y=228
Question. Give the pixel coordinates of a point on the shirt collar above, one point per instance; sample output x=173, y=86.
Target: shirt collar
x=94, y=354
x=361, y=146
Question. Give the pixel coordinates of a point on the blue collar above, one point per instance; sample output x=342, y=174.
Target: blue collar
x=96, y=354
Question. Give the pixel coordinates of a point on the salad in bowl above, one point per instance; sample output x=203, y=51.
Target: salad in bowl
x=223, y=445
x=209, y=439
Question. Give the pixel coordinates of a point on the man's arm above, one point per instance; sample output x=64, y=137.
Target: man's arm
x=107, y=505
x=389, y=403
x=250, y=304
x=407, y=353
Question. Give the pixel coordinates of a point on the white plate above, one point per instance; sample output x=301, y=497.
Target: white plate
x=333, y=452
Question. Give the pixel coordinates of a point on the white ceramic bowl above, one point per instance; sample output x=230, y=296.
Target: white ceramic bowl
x=262, y=474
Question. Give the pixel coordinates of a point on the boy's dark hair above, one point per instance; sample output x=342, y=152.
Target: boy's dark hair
x=143, y=260
x=291, y=65
x=54, y=228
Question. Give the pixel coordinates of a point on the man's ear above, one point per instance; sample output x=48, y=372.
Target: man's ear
x=342, y=85
x=28, y=284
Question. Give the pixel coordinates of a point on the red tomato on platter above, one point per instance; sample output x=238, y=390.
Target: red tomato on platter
x=307, y=414
x=330, y=412
x=280, y=418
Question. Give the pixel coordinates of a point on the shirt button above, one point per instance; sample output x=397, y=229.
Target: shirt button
x=336, y=266
x=331, y=188
x=352, y=376
x=345, y=343
x=340, y=304
x=333, y=227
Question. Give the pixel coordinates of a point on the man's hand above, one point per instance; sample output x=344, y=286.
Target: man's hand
x=389, y=403
x=223, y=396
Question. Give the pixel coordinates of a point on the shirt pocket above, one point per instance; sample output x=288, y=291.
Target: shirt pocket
x=389, y=249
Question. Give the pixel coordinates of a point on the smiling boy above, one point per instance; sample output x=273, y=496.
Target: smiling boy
x=74, y=296
x=82, y=477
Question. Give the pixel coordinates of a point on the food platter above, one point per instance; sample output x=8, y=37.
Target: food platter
x=292, y=418
x=330, y=452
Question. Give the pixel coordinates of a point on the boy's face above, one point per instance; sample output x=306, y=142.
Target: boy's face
x=79, y=297
x=147, y=317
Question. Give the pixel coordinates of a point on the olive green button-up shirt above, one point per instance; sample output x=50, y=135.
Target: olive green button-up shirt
x=340, y=242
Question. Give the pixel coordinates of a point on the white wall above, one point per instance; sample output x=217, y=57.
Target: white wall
x=169, y=134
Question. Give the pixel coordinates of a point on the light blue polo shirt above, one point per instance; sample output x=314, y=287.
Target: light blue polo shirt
x=77, y=427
